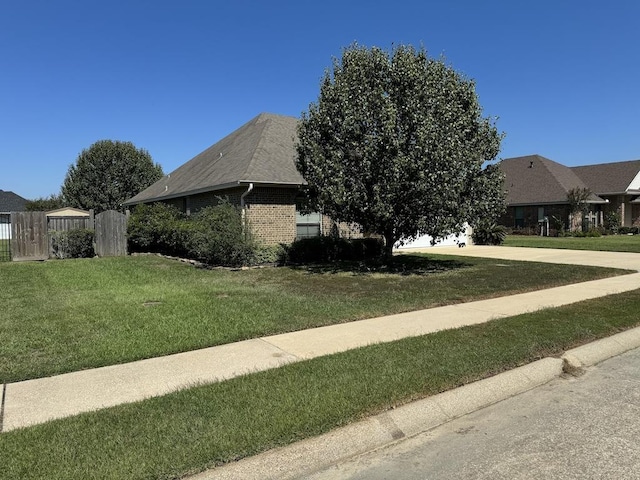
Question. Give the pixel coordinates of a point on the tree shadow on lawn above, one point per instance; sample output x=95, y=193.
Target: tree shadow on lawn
x=398, y=265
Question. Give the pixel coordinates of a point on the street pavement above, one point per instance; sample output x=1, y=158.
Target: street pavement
x=585, y=427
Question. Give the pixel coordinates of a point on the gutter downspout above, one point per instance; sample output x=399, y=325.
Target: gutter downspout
x=242, y=209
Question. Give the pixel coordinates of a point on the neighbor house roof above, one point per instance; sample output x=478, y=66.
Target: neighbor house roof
x=11, y=202
x=536, y=180
x=261, y=151
x=611, y=178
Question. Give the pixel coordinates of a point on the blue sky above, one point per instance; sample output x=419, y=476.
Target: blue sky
x=174, y=77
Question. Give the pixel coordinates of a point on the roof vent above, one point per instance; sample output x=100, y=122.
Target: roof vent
x=530, y=163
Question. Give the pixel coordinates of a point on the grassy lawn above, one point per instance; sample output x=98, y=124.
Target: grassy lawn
x=5, y=254
x=610, y=243
x=61, y=316
x=188, y=431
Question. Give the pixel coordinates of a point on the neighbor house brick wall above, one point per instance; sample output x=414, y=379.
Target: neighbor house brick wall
x=530, y=219
x=271, y=214
x=206, y=199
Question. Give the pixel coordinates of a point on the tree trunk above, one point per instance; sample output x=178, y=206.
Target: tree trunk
x=389, y=241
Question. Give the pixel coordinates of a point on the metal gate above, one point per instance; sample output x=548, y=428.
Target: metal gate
x=5, y=237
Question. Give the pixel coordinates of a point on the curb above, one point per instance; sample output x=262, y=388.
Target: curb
x=308, y=456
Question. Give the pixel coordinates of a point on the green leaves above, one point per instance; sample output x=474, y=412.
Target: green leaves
x=108, y=173
x=396, y=143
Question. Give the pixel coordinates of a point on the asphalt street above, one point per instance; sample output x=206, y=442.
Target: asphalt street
x=585, y=427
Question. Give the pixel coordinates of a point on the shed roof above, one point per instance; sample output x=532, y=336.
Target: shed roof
x=536, y=180
x=261, y=151
x=68, y=212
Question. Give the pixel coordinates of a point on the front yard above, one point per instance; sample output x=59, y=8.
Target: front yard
x=67, y=315
x=185, y=432
x=61, y=316
x=609, y=243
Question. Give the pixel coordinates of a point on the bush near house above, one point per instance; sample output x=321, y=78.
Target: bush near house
x=332, y=249
x=214, y=235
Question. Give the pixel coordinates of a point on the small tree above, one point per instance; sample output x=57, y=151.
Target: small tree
x=108, y=173
x=578, y=206
x=397, y=144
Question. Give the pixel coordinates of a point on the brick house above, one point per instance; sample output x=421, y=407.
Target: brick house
x=537, y=188
x=254, y=168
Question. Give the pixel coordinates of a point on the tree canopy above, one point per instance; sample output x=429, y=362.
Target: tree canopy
x=397, y=143
x=108, y=173
x=43, y=204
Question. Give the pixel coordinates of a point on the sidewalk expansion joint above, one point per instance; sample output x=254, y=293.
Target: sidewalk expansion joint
x=387, y=423
x=297, y=358
x=4, y=394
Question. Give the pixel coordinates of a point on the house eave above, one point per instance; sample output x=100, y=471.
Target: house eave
x=216, y=188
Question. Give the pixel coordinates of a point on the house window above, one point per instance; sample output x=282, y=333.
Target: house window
x=540, y=214
x=519, y=216
x=307, y=226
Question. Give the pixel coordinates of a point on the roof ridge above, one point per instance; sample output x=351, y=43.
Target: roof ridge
x=266, y=119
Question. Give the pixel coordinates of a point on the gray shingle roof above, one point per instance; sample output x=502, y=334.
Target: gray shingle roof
x=536, y=180
x=609, y=178
x=260, y=151
x=11, y=202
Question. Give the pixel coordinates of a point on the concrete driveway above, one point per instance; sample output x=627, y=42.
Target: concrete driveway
x=624, y=260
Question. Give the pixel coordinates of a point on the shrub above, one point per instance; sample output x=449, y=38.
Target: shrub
x=76, y=243
x=216, y=237
x=487, y=232
x=331, y=249
x=269, y=254
x=628, y=230
x=156, y=228
x=612, y=220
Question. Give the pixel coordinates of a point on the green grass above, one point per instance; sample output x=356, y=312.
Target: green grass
x=610, y=243
x=62, y=316
x=192, y=430
x=5, y=252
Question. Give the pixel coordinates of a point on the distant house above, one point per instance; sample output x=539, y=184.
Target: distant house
x=254, y=168
x=11, y=202
x=619, y=184
x=537, y=188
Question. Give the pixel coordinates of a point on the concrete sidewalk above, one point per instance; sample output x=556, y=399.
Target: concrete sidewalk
x=36, y=401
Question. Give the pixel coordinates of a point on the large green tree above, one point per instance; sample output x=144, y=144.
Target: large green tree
x=43, y=204
x=397, y=143
x=108, y=173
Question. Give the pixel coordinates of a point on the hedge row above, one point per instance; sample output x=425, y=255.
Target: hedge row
x=214, y=235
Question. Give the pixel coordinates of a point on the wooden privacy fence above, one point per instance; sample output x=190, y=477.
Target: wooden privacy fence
x=29, y=236
x=111, y=234
x=31, y=233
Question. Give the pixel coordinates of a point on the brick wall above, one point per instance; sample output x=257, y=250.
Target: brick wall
x=271, y=214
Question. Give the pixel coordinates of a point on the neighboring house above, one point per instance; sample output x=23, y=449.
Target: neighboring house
x=254, y=168
x=537, y=188
x=619, y=184
x=9, y=202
